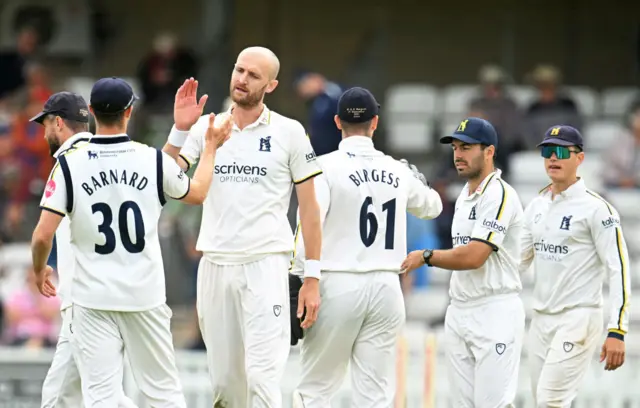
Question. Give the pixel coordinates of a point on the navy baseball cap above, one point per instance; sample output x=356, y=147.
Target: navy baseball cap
x=357, y=105
x=111, y=96
x=473, y=131
x=67, y=105
x=562, y=135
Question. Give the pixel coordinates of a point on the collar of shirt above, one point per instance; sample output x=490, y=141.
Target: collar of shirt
x=574, y=190
x=109, y=136
x=263, y=119
x=70, y=141
x=482, y=187
x=359, y=144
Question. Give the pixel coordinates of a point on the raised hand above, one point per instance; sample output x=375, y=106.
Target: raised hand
x=216, y=136
x=186, y=109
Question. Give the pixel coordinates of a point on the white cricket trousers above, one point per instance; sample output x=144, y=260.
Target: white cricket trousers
x=243, y=312
x=359, y=321
x=561, y=347
x=483, y=346
x=100, y=339
x=62, y=387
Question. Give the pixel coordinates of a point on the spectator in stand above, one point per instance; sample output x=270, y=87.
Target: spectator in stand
x=31, y=319
x=496, y=105
x=12, y=63
x=551, y=107
x=623, y=157
x=30, y=156
x=163, y=71
x=322, y=97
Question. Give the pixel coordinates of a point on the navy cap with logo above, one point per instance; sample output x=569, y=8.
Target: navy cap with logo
x=111, y=96
x=562, y=135
x=473, y=131
x=67, y=105
x=357, y=105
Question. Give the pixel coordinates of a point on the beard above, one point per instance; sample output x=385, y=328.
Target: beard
x=250, y=100
x=53, y=143
x=473, y=170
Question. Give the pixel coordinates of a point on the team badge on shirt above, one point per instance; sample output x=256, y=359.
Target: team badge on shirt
x=566, y=223
x=472, y=214
x=265, y=144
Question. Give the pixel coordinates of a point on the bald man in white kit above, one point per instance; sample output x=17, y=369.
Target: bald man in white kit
x=245, y=236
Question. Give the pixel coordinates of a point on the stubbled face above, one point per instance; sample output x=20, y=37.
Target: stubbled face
x=251, y=80
x=52, y=133
x=468, y=159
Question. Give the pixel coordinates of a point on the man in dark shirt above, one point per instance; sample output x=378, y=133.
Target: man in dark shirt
x=12, y=62
x=322, y=96
x=552, y=107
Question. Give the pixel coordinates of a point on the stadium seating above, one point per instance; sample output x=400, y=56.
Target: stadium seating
x=418, y=113
x=523, y=95
x=80, y=85
x=586, y=98
x=528, y=168
x=616, y=101
x=410, y=116
x=600, y=134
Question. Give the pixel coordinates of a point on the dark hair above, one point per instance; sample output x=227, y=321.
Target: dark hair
x=110, y=119
x=76, y=126
x=495, y=150
x=356, y=128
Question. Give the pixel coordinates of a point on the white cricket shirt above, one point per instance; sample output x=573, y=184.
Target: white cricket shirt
x=364, y=196
x=64, y=254
x=575, y=241
x=491, y=214
x=112, y=190
x=244, y=217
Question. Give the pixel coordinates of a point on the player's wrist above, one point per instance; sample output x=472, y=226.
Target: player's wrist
x=426, y=256
x=615, y=335
x=177, y=137
x=312, y=269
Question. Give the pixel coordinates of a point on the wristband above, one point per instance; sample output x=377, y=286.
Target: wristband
x=312, y=268
x=177, y=137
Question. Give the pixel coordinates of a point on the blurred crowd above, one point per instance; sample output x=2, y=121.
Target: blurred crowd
x=29, y=319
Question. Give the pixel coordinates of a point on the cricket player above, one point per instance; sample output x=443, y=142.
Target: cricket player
x=65, y=118
x=484, y=324
x=364, y=196
x=112, y=190
x=574, y=240
x=245, y=236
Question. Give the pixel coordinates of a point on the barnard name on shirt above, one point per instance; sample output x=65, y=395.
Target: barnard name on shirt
x=374, y=176
x=104, y=179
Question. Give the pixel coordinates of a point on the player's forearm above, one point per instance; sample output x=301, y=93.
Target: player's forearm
x=40, y=249
x=202, y=178
x=457, y=259
x=172, y=151
x=311, y=230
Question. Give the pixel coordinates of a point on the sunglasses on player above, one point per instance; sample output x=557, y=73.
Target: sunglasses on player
x=562, y=152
